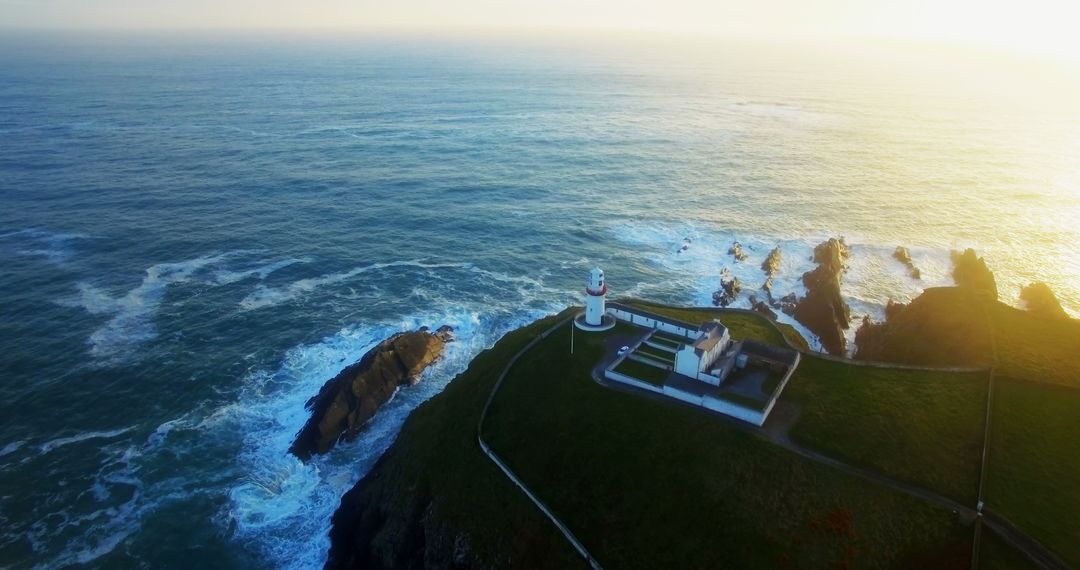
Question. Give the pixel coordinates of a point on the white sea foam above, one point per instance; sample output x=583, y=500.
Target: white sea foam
x=12, y=447
x=872, y=279
x=53, y=247
x=283, y=506
x=264, y=296
x=228, y=277
x=62, y=441
x=133, y=312
x=98, y=532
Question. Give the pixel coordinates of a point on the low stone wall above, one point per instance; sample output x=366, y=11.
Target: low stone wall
x=780, y=389
x=619, y=377
x=734, y=410
x=649, y=361
x=660, y=346
x=684, y=396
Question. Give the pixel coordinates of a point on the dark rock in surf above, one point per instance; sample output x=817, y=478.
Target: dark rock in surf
x=823, y=309
x=762, y=307
x=902, y=255
x=736, y=251
x=771, y=265
x=1040, y=300
x=787, y=303
x=728, y=291
x=350, y=399
x=970, y=272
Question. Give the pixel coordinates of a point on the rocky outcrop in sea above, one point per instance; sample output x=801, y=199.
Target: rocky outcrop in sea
x=736, y=250
x=902, y=255
x=970, y=272
x=762, y=307
x=823, y=309
x=350, y=399
x=730, y=287
x=771, y=266
x=1040, y=300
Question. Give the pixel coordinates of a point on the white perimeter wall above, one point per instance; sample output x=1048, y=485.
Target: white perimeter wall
x=644, y=321
x=618, y=377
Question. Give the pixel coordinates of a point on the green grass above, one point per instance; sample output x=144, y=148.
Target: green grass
x=1036, y=348
x=771, y=383
x=646, y=483
x=666, y=341
x=435, y=472
x=643, y=372
x=744, y=401
x=655, y=354
x=673, y=340
x=1034, y=476
x=996, y=554
x=740, y=324
x=922, y=427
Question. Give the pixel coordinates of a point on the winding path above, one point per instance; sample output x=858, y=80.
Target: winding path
x=573, y=540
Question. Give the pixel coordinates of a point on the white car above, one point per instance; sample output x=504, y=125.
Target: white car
x=624, y=350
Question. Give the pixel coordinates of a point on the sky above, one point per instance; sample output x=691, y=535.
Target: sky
x=1021, y=26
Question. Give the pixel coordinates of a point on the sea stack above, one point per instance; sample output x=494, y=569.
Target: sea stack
x=1040, y=300
x=970, y=272
x=350, y=399
x=771, y=266
x=902, y=255
x=823, y=310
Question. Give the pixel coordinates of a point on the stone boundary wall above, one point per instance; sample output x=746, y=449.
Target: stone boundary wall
x=737, y=411
x=646, y=319
x=619, y=377
x=780, y=388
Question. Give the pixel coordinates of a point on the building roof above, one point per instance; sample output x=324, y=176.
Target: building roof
x=713, y=326
x=707, y=342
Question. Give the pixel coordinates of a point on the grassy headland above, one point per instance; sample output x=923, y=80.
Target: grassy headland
x=1035, y=462
x=1034, y=454
x=646, y=483
x=924, y=427
x=434, y=495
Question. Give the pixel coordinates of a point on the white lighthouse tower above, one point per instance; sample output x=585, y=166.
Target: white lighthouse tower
x=595, y=317
x=594, y=298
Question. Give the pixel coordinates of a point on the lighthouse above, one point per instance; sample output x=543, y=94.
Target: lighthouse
x=595, y=317
x=594, y=298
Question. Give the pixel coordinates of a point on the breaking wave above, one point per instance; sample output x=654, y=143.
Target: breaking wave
x=282, y=507
x=873, y=276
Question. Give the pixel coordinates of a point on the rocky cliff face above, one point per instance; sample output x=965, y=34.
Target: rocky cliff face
x=434, y=500
x=365, y=535
x=970, y=272
x=1040, y=300
x=945, y=326
x=823, y=310
x=347, y=401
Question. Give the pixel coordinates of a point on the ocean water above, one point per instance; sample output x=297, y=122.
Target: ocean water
x=196, y=233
